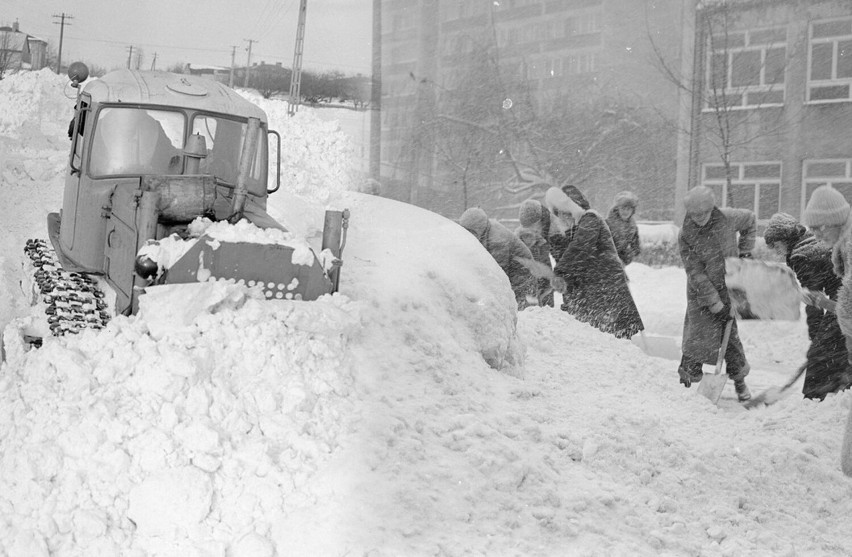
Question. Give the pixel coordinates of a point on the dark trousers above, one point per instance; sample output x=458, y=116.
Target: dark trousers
x=736, y=364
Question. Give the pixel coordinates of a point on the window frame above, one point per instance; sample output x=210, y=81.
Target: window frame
x=744, y=90
x=811, y=83
x=741, y=180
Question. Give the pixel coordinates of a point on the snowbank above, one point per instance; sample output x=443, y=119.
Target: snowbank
x=371, y=423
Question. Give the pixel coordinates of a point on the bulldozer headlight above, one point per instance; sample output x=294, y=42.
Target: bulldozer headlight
x=146, y=267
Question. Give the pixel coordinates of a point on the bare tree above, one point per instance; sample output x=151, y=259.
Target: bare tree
x=10, y=57
x=496, y=141
x=728, y=78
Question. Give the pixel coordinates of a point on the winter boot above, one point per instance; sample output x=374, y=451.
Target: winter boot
x=688, y=377
x=743, y=394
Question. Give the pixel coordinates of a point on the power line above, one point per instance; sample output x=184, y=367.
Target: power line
x=171, y=48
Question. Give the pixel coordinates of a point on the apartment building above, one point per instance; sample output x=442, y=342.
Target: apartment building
x=546, y=53
x=772, y=109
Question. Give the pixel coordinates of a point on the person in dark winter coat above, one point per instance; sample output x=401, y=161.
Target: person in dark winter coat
x=622, y=225
x=535, y=225
x=589, y=272
x=703, y=239
x=828, y=369
x=505, y=248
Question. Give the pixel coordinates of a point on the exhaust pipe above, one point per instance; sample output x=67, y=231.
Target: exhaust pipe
x=247, y=157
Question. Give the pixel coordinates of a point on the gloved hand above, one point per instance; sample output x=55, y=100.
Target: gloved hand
x=559, y=284
x=721, y=311
x=745, y=255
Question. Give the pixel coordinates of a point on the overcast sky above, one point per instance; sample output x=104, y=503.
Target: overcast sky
x=338, y=33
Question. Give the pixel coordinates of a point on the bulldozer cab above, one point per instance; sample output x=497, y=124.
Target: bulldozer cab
x=151, y=152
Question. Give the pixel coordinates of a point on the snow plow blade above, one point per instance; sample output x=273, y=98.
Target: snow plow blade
x=269, y=266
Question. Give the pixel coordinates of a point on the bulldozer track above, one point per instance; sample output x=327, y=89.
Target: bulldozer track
x=73, y=300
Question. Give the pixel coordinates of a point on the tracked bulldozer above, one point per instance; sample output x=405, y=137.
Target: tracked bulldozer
x=155, y=157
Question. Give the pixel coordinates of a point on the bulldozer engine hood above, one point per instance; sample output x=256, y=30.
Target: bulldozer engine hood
x=171, y=90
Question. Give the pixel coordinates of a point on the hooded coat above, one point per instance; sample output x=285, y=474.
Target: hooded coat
x=506, y=249
x=841, y=257
x=625, y=233
x=703, y=250
x=828, y=368
x=597, y=290
x=540, y=249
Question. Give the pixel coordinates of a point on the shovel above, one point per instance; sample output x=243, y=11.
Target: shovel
x=711, y=386
x=774, y=394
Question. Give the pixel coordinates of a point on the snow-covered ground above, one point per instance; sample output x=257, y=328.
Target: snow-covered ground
x=412, y=414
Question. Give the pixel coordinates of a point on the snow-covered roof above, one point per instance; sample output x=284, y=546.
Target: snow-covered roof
x=202, y=67
x=12, y=40
x=168, y=89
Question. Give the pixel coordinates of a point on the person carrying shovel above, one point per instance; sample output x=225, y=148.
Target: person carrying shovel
x=709, y=321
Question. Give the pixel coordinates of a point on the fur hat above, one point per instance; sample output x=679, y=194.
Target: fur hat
x=699, y=199
x=529, y=213
x=626, y=199
x=474, y=220
x=783, y=228
x=826, y=207
x=576, y=196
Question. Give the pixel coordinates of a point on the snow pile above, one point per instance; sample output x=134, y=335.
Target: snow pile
x=189, y=441
x=41, y=103
x=376, y=422
x=317, y=158
x=657, y=234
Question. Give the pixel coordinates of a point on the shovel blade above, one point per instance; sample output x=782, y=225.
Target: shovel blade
x=711, y=386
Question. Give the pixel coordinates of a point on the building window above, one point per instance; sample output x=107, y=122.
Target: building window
x=583, y=24
x=580, y=63
x=746, y=68
x=835, y=172
x=830, y=61
x=754, y=185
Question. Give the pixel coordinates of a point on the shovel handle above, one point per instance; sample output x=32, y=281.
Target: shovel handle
x=724, y=348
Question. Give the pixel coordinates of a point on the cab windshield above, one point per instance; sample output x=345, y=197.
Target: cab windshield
x=224, y=140
x=133, y=141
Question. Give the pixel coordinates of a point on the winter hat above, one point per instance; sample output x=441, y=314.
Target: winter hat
x=529, y=213
x=576, y=196
x=783, y=228
x=699, y=199
x=475, y=221
x=626, y=199
x=826, y=207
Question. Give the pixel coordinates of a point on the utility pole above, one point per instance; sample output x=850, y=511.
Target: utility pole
x=62, y=17
x=233, y=56
x=248, y=63
x=129, y=56
x=154, y=62
x=376, y=95
x=296, y=71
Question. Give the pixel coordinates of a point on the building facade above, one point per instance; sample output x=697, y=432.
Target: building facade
x=20, y=51
x=772, y=108
x=550, y=59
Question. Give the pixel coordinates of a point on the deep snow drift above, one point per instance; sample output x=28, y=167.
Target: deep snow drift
x=404, y=416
